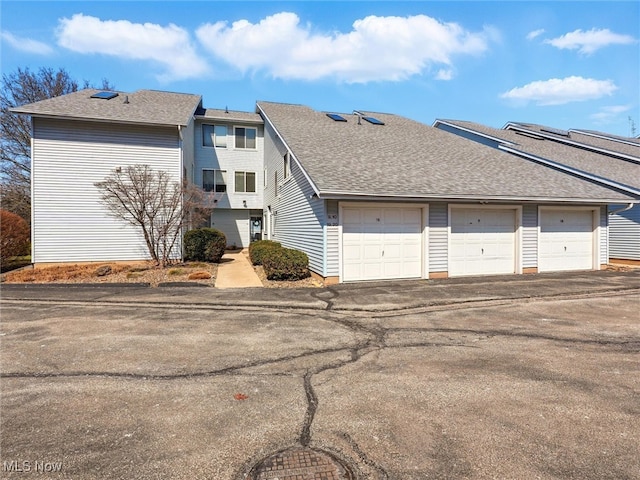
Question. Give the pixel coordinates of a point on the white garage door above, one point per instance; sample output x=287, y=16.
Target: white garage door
x=381, y=243
x=482, y=242
x=566, y=240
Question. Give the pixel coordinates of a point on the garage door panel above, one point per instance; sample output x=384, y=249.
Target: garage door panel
x=381, y=243
x=566, y=240
x=482, y=241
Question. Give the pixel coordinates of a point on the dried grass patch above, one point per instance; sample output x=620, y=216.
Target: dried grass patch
x=120, y=273
x=199, y=276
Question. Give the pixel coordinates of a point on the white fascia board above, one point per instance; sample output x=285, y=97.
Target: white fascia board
x=604, y=137
x=470, y=130
x=101, y=120
x=469, y=198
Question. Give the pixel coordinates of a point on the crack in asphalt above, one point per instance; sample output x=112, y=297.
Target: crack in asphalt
x=368, y=338
x=363, y=456
x=330, y=303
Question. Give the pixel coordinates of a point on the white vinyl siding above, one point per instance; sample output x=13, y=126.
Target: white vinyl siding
x=624, y=233
x=604, y=237
x=297, y=218
x=70, y=223
x=438, y=237
x=332, y=250
x=231, y=160
x=529, y=236
x=234, y=224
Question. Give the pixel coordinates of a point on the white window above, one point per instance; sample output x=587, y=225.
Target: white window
x=286, y=165
x=246, y=137
x=214, y=136
x=245, y=182
x=214, y=181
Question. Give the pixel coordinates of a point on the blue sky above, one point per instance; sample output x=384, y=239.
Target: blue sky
x=563, y=64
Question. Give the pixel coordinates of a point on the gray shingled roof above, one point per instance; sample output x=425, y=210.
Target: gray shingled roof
x=404, y=158
x=624, y=172
x=591, y=138
x=143, y=107
x=231, y=116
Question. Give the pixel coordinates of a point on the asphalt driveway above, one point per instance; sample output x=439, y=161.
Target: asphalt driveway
x=535, y=377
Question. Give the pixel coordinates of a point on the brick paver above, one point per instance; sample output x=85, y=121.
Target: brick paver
x=301, y=464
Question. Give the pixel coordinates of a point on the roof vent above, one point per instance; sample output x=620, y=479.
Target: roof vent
x=105, y=95
x=126, y=99
x=371, y=120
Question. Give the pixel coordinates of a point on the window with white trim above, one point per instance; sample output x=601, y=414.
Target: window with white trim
x=246, y=137
x=245, y=182
x=214, y=136
x=214, y=181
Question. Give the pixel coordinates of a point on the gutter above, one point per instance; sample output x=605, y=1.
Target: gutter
x=623, y=209
x=96, y=120
x=326, y=195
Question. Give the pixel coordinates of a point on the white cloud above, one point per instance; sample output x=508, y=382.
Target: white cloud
x=535, y=34
x=609, y=114
x=444, y=74
x=376, y=49
x=27, y=45
x=169, y=46
x=590, y=41
x=558, y=91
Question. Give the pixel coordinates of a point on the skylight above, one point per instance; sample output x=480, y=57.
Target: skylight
x=336, y=118
x=373, y=120
x=105, y=95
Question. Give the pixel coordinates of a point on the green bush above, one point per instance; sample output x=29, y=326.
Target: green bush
x=204, y=245
x=257, y=250
x=285, y=264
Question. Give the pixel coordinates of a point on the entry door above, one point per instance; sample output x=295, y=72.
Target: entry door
x=381, y=243
x=566, y=240
x=482, y=241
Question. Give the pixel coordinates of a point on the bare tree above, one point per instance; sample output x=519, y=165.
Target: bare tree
x=156, y=204
x=20, y=88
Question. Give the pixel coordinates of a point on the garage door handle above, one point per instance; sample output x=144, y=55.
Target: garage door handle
x=383, y=253
x=482, y=250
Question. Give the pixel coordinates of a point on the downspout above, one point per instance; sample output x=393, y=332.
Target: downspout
x=623, y=209
x=182, y=183
x=33, y=195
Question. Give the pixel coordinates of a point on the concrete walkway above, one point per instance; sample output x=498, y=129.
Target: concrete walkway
x=235, y=271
